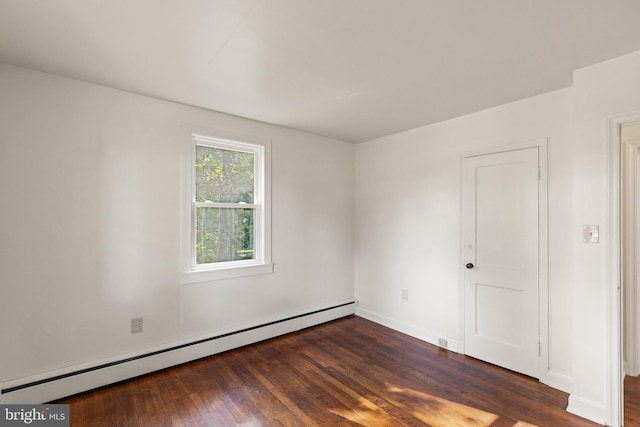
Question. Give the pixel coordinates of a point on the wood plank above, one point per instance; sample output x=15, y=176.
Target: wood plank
x=343, y=373
x=632, y=401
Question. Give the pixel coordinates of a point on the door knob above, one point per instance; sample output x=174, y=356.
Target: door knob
x=469, y=265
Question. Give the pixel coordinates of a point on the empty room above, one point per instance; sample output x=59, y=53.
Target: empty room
x=329, y=212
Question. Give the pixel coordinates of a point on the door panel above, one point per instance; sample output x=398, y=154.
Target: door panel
x=493, y=306
x=500, y=221
x=499, y=208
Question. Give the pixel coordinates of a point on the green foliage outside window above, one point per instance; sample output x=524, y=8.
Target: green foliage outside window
x=224, y=233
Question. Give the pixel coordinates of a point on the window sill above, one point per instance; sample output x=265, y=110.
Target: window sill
x=198, y=276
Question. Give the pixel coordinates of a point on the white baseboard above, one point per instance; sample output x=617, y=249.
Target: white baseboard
x=431, y=338
x=55, y=385
x=558, y=381
x=588, y=409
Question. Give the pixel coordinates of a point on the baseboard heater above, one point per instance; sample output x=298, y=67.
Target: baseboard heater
x=59, y=385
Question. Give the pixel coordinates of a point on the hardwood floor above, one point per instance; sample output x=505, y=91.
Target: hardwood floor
x=632, y=401
x=347, y=372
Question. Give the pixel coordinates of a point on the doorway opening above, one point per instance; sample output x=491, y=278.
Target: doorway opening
x=630, y=245
x=622, y=251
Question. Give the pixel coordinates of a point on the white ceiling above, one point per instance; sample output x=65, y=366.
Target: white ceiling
x=349, y=69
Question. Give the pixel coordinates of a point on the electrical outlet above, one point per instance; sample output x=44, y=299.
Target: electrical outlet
x=136, y=325
x=442, y=342
x=405, y=294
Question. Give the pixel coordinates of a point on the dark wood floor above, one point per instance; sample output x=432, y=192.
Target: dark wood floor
x=347, y=372
x=632, y=401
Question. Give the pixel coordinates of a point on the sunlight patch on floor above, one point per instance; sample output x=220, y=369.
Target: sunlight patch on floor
x=429, y=409
x=435, y=410
x=366, y=414
x=442, y=412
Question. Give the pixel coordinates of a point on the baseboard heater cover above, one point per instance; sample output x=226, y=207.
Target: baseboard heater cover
x=171, y=356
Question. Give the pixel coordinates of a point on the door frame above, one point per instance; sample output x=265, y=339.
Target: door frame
x=543, y=250
x=614, y=271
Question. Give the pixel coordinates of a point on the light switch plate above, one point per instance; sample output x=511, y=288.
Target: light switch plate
x=591, y=234
x=136, y=325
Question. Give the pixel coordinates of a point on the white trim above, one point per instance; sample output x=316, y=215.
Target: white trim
x=559, y=381
x=587, y=409
x=225, y=273
x=543, y=245
x=63, y=387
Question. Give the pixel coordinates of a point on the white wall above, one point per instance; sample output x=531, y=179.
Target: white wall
x=408, y=220
x=600, y=91
x=90, y=195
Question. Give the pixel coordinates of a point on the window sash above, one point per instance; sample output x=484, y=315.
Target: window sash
x=241, y=241
x=257, y=206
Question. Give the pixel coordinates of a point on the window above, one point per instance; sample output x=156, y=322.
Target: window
x=228, y=208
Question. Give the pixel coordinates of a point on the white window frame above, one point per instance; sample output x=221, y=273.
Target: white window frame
x=261, y=264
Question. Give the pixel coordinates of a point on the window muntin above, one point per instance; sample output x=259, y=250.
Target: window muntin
x=228, y=205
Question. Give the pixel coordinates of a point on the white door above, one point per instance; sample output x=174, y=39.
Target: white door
x=500, y=220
